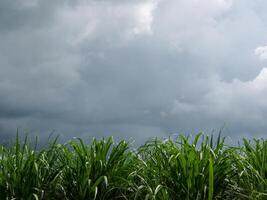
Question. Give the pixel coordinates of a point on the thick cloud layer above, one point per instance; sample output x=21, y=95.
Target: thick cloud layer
x=133, y=68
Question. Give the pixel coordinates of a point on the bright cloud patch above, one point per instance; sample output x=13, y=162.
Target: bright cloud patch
x=144, y=17
x=261, y=52
x=260, y=82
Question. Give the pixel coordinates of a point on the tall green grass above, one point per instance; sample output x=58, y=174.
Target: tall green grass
x=28, y=174
x=96, y=171
x=186, y=168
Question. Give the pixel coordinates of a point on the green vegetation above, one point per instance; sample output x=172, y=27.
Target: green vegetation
x=186, y=168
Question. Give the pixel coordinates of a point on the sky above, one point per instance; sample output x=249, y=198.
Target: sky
x=133, y=68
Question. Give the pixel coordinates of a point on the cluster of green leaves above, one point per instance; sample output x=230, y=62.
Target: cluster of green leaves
x=185, y=168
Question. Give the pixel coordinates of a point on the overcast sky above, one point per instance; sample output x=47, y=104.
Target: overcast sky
x=133, y=68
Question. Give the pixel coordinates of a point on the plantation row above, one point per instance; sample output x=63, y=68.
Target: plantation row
x=181, y=169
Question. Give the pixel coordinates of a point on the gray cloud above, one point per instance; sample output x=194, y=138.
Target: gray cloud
x=132, y=68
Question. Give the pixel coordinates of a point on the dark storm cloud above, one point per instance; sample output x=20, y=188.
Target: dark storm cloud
x=132, y=68
x=27, y=14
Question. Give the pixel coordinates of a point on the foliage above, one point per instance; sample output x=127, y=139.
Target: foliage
x=186, y=168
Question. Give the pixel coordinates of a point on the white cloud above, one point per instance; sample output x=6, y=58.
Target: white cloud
x=236, y=102
x=260, y=82
x=144, y=17
x=261, y=52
